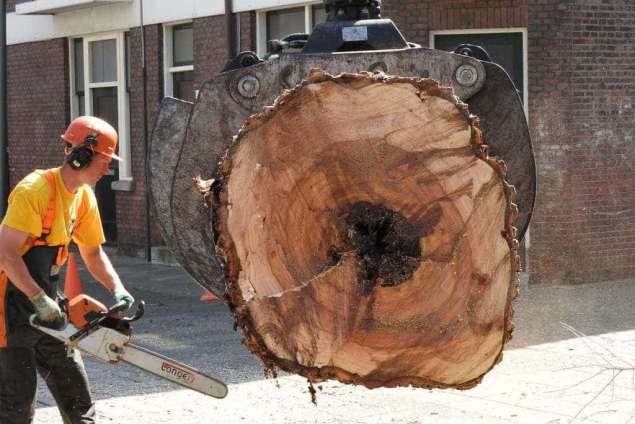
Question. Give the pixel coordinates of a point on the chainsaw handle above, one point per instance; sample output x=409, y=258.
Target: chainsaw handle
x=36, y=322
x=141, y=308
x=120, y=306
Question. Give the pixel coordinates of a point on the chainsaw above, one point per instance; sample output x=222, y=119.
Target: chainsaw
x=104, y=333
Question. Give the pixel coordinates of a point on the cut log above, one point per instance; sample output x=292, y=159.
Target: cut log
x=367, y=235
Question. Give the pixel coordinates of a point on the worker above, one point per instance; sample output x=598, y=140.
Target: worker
x=46, y=211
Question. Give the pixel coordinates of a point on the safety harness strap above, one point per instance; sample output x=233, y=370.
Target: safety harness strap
x=47, y=222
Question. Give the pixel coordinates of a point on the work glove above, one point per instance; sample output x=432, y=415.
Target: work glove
x=122, y=296
x=48, y=311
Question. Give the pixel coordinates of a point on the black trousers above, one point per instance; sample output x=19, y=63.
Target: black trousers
x=63, y=372
x=27, y=351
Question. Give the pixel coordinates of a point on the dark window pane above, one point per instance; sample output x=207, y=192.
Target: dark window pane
x=81, y=103
x=284, y=22
x=78, y=56
x=506, y=49
x=103, y=55
x=319, y=14
x=105, y=104
x=105, y=107
x=182, y=45
x=183, y=83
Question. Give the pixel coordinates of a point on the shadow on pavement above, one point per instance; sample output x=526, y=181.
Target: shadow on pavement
x=201, y=334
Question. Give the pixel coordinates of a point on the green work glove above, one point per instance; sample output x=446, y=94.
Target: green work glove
x=48, y=311
x=122, y=295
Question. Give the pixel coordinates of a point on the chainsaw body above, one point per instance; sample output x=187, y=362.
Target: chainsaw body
x=83, y=308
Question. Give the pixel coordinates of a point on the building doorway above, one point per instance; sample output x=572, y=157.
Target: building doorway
x=105, y=107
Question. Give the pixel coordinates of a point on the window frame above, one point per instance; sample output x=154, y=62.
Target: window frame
x=71, y=69
x=123, y=115
x=168, y=69
x=261, y=22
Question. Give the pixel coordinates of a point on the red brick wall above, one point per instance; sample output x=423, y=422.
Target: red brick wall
x=210, y=47
x=37, y=105
x=248, y=31
x=416, y=18
x=584, y=227
x=549, y=115
x=131, y=210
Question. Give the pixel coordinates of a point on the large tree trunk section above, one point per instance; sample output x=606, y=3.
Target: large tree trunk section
x=367, y=234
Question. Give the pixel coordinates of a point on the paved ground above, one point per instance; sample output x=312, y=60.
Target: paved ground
x=572, y=360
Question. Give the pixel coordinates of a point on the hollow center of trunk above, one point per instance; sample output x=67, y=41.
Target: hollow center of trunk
x=386, y=243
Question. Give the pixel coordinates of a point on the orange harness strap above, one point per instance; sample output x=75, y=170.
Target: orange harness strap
x=47, y=222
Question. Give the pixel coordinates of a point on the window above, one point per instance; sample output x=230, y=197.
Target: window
x=99, y=88
x=276, y=24
x=103, y=61
x=284, y=22
x=179, y=61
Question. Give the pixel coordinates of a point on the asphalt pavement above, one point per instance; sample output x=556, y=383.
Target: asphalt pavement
x=572, y=359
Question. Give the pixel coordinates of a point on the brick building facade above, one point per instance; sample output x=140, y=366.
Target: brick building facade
x=579, y=83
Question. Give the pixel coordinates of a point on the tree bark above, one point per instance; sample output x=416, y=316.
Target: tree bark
x=367, y=235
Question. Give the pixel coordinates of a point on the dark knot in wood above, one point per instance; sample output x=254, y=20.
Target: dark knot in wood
x=386, y=243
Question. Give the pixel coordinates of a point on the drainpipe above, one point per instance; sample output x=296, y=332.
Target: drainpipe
x=4, y=142
x=230, y=23
x=144, y=111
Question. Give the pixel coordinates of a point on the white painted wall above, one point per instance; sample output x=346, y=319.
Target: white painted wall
x=245, y=5
x=115, y=17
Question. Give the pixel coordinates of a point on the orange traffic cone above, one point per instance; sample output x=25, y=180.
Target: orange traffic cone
x=208, y=296
x=72, y=285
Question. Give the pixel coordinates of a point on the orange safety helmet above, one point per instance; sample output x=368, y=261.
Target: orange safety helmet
x=93, y=132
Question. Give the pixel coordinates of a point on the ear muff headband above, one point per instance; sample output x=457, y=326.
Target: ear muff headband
x=81, y=156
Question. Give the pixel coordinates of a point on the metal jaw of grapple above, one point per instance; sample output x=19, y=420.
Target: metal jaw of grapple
x=351, y=25
x=188, y=139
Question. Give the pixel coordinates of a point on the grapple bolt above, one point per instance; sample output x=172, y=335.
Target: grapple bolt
x=248, y=86
x=466, y=75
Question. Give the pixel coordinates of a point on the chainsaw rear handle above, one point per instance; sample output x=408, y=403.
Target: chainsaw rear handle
x=35, y=321
x=119, y=307
x=141, y=309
